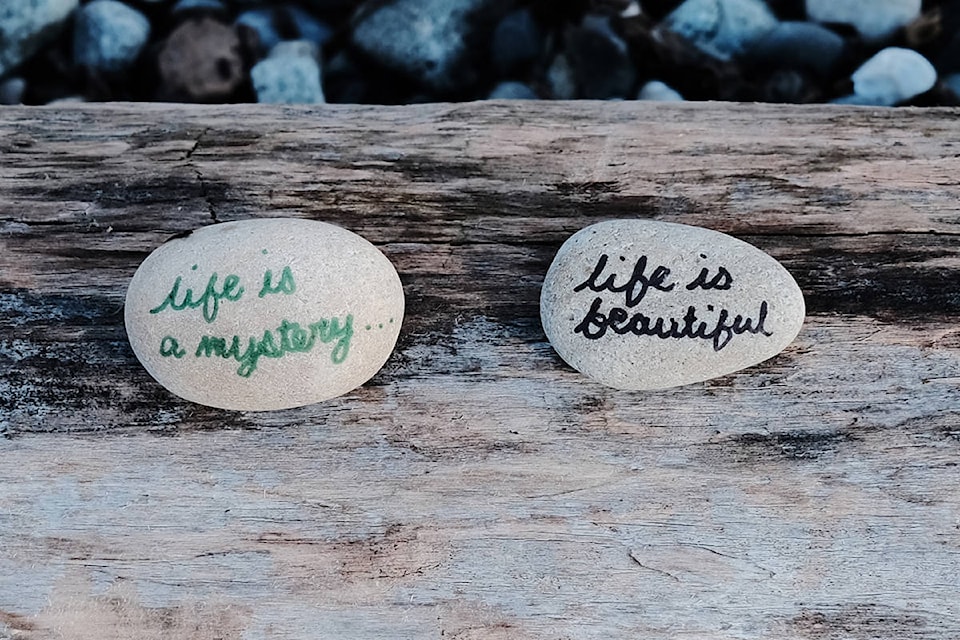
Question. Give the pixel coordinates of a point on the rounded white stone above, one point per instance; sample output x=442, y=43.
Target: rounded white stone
x=892, y=76
x=659, y=92
x=722, y=28
x=638, y=304
x=264, y=314
x=874, y=19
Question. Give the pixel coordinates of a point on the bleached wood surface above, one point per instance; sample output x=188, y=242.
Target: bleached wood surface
x=478, y=488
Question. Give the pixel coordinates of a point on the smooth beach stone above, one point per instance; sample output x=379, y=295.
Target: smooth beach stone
x=264, y=314
x=109, y=35
x=639, y=304
x=876, y=20
x=722, y=28
x=289, y=75
x=657, y=91
x=512, y=90
x=26, y=27
x=892, y=76
x=806, y=46
x=427, y=39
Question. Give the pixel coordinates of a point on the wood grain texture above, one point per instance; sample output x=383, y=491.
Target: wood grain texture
x=478, y=488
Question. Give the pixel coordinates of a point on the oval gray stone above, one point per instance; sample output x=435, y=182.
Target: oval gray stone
x=109, y=35
x=25, y=27
x=875, y=19
x=264, y=314
x=642, y=305
x=892, y=76
x=289, y=75
x=722, y=28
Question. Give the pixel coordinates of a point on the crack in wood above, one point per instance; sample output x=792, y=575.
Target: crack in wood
x=196, y=143
x=648, y=568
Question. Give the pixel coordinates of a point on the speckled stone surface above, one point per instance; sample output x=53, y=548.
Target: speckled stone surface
x=643, y=305
x=264, y=314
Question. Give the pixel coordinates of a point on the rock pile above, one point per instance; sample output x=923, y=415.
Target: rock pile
x=875, y=52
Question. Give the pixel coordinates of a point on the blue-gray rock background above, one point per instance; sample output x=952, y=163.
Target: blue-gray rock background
x=874, y=52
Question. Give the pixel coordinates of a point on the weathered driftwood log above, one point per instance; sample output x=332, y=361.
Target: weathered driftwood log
x=478, y=487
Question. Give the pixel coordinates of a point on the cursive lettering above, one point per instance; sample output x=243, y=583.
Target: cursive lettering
x=285, y=286
x=719, y=331
x=635, y=288
x=721, y=281
x=169, y=346
x=209, y=301
x=288, y=337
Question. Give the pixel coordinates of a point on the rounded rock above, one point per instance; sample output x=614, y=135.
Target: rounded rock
x=25, y=27
x=201, y=61
x=425, y=39
x=264, y=314
x=892, y=76
x=722, y=28
x=109, y=35
x=643, y=305
x=658, y=91
x=512, y=90
x=874, y=19
x=12, y=90
x=517, y=41
x=799, y=45
x=289, y=75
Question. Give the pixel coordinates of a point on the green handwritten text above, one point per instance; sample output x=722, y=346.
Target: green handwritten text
x=169, y=346
x=209, y=301
x=289, y=337
x=286, y=284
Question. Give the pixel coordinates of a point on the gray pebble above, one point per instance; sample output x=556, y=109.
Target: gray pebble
x=799, y=45
x=12, y=90
x=289, y=75
x=27, y=26
x=200, y=61
x=517, y=41
x=873, y=19
x=426, y=39
x=892, y=76
x=109, y=35
x=512, y=91
x=722, y=28
x=659, y=91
